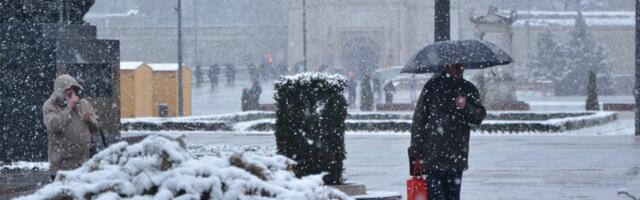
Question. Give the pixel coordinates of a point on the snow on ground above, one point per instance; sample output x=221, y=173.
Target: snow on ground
x=501, y=167
x=159, y=167
x=23, y=165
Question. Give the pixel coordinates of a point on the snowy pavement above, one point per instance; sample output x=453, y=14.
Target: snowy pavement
x=590, y=166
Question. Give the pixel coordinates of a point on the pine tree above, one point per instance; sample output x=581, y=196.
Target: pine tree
x=366, y=96
x=583, y=54
x=548, y=62
x=592, y=95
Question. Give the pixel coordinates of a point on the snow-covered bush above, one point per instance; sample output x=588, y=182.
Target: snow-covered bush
x=366, y=96
x=592, y=92
x=310, y=116
x=159, y=167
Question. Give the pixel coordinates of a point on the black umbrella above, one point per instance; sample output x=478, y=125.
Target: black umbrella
x=474, y=54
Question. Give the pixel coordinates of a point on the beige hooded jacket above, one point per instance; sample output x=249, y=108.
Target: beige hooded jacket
x=68, y=134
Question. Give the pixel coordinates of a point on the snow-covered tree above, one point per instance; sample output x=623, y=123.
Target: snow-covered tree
x=548, y=62
x=366, y=101
x=592, y=95
x=583, y=54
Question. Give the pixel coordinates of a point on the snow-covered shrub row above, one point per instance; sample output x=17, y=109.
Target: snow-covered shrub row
x=532, y=116
x=23, y=166
x=569, y=121
x=174, y=125
x=380, y=116
x=241, y=117
x=159, y=167
x=221, y=122
x=504, y=121
x=230, y=117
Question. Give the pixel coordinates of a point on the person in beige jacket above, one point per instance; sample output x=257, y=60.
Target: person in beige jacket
x=70, y=121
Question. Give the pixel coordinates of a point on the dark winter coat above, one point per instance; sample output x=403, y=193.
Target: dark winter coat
x=440, y=132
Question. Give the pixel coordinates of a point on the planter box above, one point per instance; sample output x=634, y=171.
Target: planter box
x=502, y=122
x=619, y=107
x=395, y=107
x=517, y=105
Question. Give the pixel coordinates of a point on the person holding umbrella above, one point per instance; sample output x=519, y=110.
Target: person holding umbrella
x=447, y=108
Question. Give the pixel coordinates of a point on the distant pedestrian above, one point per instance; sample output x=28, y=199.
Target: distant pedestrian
x=283, y=69
x=70, y=121
x=377, y=86
x=230, y=74
x=265, y=71
x=254, y=72
x=351, y=89
x=448, y=106
x=214, y=72
x=389, y=89
x=256, y=91
x=198, y=74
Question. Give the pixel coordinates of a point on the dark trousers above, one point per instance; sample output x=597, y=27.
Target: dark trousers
x=444, y=185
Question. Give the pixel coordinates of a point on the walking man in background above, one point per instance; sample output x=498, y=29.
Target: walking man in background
x=447, y=107
x=256, y=90
x=230, y=74
x=389, y=89
x=70, y=121
x=214, y=71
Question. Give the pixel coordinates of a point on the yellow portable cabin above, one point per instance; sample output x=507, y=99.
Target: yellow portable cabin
x=165, y=88
x=145, y=89
x=136, y=90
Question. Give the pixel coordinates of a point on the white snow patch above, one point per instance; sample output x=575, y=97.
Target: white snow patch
x=159, y=167
x=130, y=65
x=24, y=165
x=307, y=77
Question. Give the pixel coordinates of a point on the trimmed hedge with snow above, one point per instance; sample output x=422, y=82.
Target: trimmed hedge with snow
x=495, y=122
x=160, y=168
x=309, y=125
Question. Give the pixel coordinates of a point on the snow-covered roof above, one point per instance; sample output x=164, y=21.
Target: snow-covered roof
x=163, y=66
x=130, y=65
x=592, y=18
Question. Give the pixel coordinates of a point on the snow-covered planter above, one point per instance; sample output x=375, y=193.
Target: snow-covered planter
x=178, y=125
x=309, y=126
x=223, y=122
x=496, y=122
x=160, y=168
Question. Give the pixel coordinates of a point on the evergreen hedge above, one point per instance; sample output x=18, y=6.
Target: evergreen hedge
x=310, y=123
x=366, y=97
x=248, y=100
x=592, y=92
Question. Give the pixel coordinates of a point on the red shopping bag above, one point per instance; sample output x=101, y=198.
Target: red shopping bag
x=417, y=185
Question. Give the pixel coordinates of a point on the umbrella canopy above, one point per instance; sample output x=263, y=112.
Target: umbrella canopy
x=474, y=54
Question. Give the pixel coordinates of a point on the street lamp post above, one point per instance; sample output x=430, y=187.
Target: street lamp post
x=304, y=34
x=180, y=85
x=442, y=20
x=636, y=92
